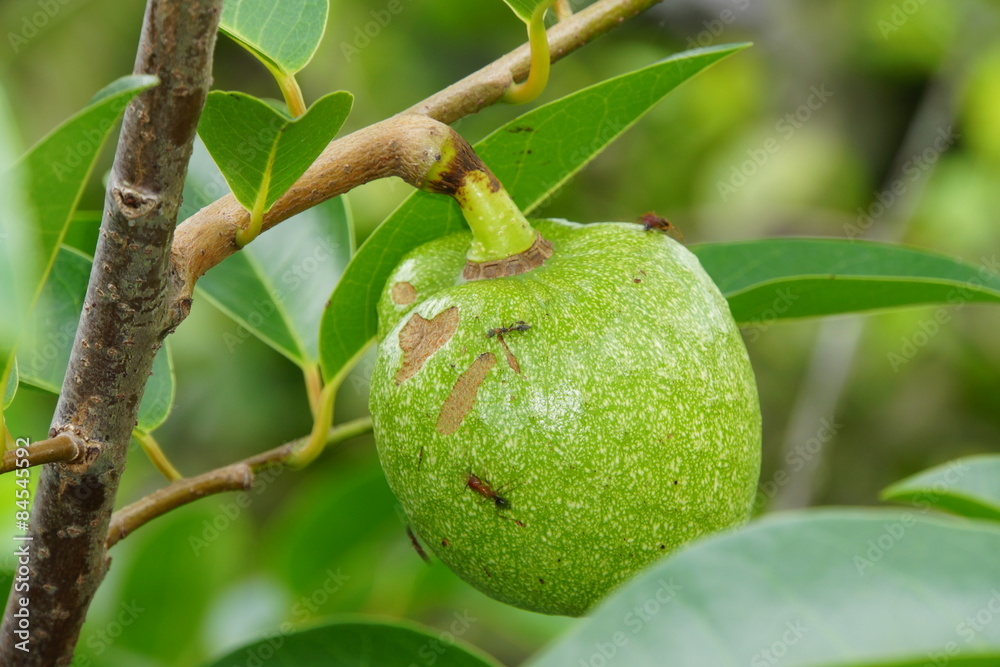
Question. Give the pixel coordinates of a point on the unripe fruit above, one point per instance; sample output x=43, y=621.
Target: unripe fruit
x=551, y=433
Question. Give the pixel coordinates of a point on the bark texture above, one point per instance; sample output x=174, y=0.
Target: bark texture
x=124, y=320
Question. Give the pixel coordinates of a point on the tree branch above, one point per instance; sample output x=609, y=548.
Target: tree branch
x=124, y=320
x=234, y=477
x=65, y=447
x=380, y=150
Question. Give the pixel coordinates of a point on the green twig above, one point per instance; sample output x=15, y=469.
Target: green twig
x=538, y=75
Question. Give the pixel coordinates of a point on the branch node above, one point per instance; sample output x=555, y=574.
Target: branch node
x=132, y=203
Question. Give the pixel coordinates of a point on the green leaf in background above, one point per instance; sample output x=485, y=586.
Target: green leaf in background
x=283, y=35
x=817, y=588
x=320, y=525
x=57, y=168
x=11, y=389
x=532, y=156
x=277, y=287
x=20, y=264
x=354, y=642
x=206, y=545
x=789, y=278
x=44, y=355
x=260, y=150
x=525, y=8
x=968, y=487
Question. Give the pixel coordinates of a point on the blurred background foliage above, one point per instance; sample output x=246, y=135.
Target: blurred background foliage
x=874, y=120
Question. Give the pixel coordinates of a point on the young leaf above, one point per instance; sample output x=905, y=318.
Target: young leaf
x=260, y=150
x=824, y=587
x=276, y=288
x=44, y=354
x=525, y=8
x=283, y=35
x=793, y=278
x=358, y=641
x=532, y=156
x=967, y=487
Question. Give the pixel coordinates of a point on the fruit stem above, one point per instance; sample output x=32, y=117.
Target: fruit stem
x=538, y=75
x=499, y=230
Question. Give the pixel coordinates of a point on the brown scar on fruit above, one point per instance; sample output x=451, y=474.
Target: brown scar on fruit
x=420, y=338
x=403, y=293
x=463, y=394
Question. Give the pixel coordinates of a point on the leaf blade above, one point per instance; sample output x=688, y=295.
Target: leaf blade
x=357, y=641
x=283, y=34
x=793, y=579
x=261, y=151
x=44, y=356
x=968, y=487
x=811, y=277
x=276, y=287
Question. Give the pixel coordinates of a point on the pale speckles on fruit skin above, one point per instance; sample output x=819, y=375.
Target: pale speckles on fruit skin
x=613, y=404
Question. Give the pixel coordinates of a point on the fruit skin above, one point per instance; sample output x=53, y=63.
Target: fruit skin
x=632, y=427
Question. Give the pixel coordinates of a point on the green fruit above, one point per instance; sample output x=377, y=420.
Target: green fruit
x=551, y=433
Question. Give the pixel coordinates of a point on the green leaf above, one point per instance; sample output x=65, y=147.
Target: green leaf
x=260, y=150
x=525, y=8
x=283, y=35
x=967, y=487
x=277, y=287
x=11, y=388
x=823, y=587
x=20, y=264
x=44, y=355
x=58, y=167
x=203, y=544
x=532, y=156
x=788, y=278
x=355, y=641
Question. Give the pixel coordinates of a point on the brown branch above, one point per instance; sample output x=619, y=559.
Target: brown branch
x=124, y=320
x=389, y=148
x=65, y=447
x=234, y=477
